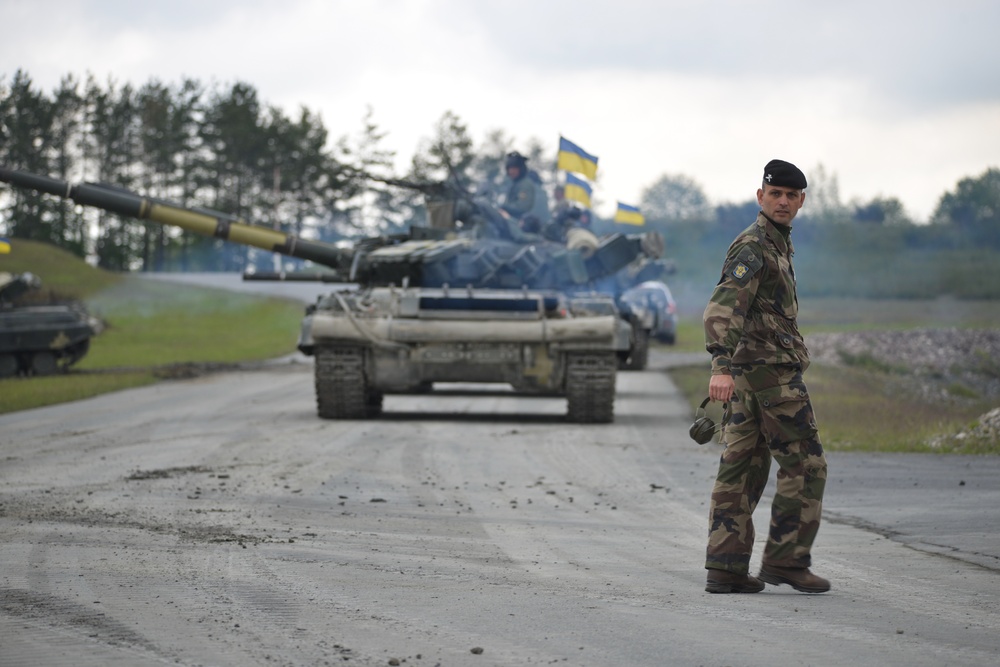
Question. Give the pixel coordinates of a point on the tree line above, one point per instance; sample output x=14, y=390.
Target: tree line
x=215, y=147
x=862, y=249
x=219, y=148
x=222, y=147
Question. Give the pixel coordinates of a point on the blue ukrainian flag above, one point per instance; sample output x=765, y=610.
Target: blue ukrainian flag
x=578, y=190
x=629, y=215
x=573, y=158
x=4, y=246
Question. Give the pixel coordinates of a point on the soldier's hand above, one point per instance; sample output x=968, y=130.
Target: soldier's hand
x=721, y=387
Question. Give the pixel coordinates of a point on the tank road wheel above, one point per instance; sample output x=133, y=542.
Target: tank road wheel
x=590, y=387
x=8, y=365
x=44, y=363
x=638, y=359
x=341, y=386
x=75, y=353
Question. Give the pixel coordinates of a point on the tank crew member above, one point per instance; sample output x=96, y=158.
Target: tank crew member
x=564, y=216
x=523, y=194
x=758, y=357
x=559, y=202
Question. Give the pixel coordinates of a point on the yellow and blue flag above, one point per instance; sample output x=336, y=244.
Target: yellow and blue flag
x=4, y=246
x=629, y=215
x=578, y=190
x=573, y=158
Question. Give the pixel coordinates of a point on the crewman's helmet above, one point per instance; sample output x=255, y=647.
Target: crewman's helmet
x=515, y=159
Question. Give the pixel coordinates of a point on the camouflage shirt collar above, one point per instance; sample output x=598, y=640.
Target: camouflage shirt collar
x=781, y=237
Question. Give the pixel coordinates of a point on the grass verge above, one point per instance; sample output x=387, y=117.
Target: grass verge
x=858, y=409
x=155, y=323
x=27, y=393
x=151, y=325
x=858, y=406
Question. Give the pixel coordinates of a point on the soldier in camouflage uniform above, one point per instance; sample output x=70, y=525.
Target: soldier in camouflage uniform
x=524, y=200
x=758, y=357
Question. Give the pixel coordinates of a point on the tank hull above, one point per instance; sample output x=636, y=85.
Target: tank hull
x=403, y=341
x=42, y=340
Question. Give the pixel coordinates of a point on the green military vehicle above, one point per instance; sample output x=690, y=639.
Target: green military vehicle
x=39, y=338
x=467, y=299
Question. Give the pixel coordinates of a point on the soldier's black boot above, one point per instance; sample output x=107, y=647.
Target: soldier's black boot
x=799, y=578
x=721, y=581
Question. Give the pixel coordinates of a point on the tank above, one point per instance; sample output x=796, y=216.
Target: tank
x=637, y=318
x=469, y=298
x=631, y=339
x=369, y=343
x=39, y=339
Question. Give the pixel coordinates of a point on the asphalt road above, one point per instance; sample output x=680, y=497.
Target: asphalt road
x=218, y=521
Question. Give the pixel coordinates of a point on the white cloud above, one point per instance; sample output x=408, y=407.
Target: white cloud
x=895, y=103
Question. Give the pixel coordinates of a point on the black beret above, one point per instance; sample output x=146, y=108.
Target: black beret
x=784, y=174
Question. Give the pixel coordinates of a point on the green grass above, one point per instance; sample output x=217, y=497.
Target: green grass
x=690, y=336
x=859, y=410
x=836, y=314
x=63, y=274
x=866, y=361
x=26, y=393
x=845, y=315
x=149, y=326
x=152, y=323
x=859, y=405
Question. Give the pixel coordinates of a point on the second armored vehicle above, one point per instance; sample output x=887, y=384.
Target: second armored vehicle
x=39, y=339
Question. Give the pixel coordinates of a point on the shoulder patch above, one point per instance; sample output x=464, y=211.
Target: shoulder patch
x=746, y=263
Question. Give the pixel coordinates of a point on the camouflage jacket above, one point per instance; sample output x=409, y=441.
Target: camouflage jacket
x=750, y=318
x=519, y=197
x=526, y=196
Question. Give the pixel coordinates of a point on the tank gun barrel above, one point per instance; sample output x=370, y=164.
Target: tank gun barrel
x=486, y=250
x=199, y=221
x=292, y=277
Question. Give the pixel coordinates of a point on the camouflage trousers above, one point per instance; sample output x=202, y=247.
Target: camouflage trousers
x=772, y=417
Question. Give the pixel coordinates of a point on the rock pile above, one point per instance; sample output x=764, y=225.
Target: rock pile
x=987, y=430
x=935, y=364
x=948, y=362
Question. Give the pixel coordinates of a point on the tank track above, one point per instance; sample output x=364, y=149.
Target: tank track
x=638, y=359
x=341, y=386
x=40, y=363
x=590, y=387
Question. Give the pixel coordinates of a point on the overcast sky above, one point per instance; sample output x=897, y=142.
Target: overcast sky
x=894, y=98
